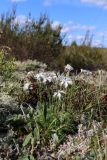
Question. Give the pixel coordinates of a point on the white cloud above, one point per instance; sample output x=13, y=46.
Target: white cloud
x=51, y=2
x=97, y=43
x=47, y=2
x=80, y=38
x=18, y=0
x=102, y=3
x=21, y=19
x=55, y=24
x=72, y=26
x=77, y=38
x=83, y=27
x=77, y=32
x=102, y=33
x=65, y=27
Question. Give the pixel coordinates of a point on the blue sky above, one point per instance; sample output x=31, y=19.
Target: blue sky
x=76, y=16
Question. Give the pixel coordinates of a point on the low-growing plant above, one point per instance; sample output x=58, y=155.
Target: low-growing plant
x=32, y=67
x=41, y=125
x=46, y=119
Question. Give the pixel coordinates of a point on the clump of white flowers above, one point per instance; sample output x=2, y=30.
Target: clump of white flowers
x=30, y=75
x=29, y=81
x=26, y=86
x=68, y=68
x=40, y=77
x=59, y=94
x=45, y=77
x=87, y=72
x=65, y=81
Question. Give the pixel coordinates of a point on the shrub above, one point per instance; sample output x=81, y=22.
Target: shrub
x=83, y=57
x=7, y=66
x=35, y=39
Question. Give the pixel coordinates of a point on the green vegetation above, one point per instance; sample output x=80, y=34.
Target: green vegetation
x=7, y=66
x=83, y=57
x=53, y=120
x=49, y=125
x=37, y=39
x=32, y=40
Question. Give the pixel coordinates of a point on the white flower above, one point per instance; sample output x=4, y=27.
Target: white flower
x=55, y=138
x=86, y=72
x=26, y=86
x=46, y=77
x=49, y=79
x=30, y=74
x=68, y=68
x=50, y=76
x=90, y=133
x=58, y=94
x=66, y=81
x=39, y=76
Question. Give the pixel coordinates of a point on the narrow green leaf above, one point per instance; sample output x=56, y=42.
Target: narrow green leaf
x=26, y=158
x=37, y=132
x=45, y=111
x=27, y=139
x=32, y=158
x=77, y=158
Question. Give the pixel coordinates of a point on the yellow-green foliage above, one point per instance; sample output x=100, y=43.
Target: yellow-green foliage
x=7, y=66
